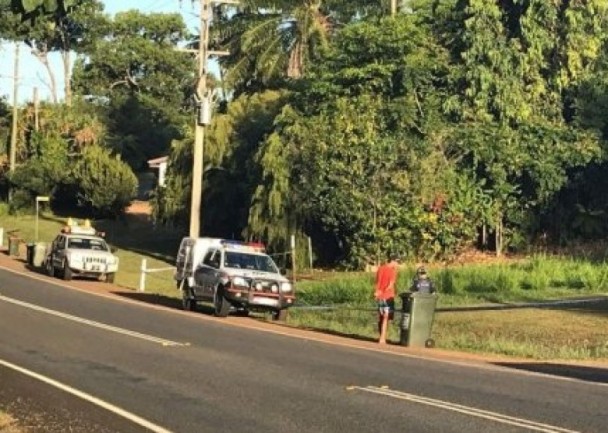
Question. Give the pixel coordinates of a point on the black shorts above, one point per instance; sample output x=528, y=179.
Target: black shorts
x=387, y=307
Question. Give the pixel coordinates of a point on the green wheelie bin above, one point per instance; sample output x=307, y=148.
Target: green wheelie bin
x=418, y=312
x=13, y=246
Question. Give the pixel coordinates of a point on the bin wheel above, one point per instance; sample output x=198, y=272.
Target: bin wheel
x=279, y=315
x=429, y=343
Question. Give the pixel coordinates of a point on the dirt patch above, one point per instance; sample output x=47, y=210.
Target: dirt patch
x=9, y=425
x=139, y=207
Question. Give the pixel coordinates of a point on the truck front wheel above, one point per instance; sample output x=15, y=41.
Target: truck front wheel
x=220, y=303
x=50, y=269
x=188, y=302
x=67, y=272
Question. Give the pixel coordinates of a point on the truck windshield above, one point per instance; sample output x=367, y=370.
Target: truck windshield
x=87, y=244
x=252, y=262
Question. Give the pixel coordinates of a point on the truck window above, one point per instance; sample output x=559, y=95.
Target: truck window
x=253, y=262
x=212, y=258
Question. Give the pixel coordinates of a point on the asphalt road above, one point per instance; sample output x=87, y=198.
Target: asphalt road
x=162, y=370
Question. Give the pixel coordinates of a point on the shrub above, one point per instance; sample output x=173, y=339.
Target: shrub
x=105, y=183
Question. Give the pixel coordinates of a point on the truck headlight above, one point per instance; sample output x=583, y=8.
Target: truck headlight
x=286, y=287
x=75, y=259
x=239, y=281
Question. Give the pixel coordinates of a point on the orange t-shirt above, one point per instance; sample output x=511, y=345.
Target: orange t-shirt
x=386, y=277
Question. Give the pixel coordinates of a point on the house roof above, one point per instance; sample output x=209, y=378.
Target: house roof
x=156, y=162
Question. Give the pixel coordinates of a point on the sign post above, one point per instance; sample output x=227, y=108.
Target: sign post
x=40, y=198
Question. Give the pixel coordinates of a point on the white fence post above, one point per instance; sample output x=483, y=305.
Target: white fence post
x=142, y=276
x=293, y=259
x=310, y=252
x=1, y=237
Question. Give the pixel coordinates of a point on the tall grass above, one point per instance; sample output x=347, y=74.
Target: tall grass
x=538, y=278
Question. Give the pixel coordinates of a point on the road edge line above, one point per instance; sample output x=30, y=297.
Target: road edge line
x=87, y=397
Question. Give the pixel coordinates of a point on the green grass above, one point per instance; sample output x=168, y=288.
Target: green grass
x=564, y=333
x=535, y=279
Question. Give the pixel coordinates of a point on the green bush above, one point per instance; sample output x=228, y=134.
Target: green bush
x=105, y=183
x=22, y=202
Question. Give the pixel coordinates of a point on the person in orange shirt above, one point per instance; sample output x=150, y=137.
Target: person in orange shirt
x=386, y=279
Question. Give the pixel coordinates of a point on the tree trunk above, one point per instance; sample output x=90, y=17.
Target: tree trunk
x=499, y=236
x=43, y=56
x=67, y=76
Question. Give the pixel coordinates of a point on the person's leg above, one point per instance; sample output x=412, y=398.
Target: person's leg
x=383, y=326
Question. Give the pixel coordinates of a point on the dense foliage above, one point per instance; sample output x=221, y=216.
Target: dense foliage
x=447, y=126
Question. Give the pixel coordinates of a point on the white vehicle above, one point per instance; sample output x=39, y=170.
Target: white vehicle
x=80, y=251
x=231, y=274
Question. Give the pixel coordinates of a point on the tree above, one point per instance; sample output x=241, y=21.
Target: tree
x=353, y=161
x=231, y=172
x=143, y=82
x=42, y=6
x=105, y=183
x=271, y=41
x=57, y=32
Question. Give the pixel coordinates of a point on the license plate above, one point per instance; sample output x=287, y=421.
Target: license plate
x=265, y=301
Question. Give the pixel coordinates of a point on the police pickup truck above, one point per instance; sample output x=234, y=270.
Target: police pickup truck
x=231, y=274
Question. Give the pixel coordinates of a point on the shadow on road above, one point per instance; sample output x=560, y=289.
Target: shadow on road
x=165, y=301
x=339, y=334
x=589, y=374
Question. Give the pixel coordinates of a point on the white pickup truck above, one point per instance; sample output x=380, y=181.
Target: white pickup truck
x=231, y=274
x=80, y=251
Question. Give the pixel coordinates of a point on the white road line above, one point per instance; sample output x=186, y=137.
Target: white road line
x=92, y=323
x=91, y=399
x=467, y=410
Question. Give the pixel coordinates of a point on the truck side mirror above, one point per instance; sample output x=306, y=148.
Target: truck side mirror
x=283, y=271
x=113, y=249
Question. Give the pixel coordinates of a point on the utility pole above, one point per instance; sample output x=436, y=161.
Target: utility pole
x=202, y=118
x=13, y=153
x=203, y=113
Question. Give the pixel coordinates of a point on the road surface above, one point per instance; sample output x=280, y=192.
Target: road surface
x=105, y=365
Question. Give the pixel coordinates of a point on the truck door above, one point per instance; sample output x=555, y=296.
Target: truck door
x=59, y=251
x=206, y=273
x=183, y=260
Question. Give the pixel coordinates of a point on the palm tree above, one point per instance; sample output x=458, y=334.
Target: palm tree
x=270, y=41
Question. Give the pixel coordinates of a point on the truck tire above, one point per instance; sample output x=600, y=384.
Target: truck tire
x=110, y=278
x=220, y=303
x=188, y=302
x=50, y=269
x=67, y=272
x=279, y=315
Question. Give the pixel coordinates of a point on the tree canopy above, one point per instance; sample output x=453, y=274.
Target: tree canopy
x=447, y=126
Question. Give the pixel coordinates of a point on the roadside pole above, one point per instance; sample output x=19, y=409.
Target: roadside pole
x=203, y=114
